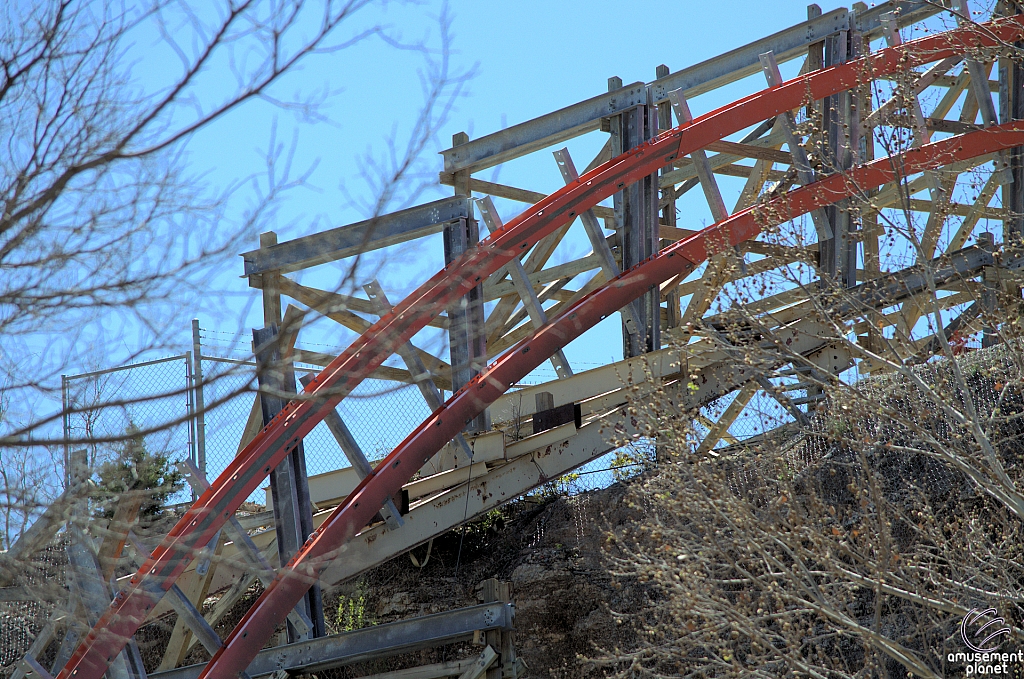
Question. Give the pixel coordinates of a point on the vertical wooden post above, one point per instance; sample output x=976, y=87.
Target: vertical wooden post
x=467, y=336
x=289, y=482
x=492, y=590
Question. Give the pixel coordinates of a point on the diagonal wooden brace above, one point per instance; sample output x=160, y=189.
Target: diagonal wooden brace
x=630, y=313
x=179, y=601
x=246, y=546
x=523, y=287
x=705, y=176
x=349, y=446
x=803, y=166
x=419, y=372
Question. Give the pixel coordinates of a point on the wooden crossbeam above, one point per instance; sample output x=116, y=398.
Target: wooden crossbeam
x=324, y=303
x=710, y=425
x=540, y=253
x=750, y=151
x=336, y=306
x=978, y=211
x=557, y=272
x=527, y=294
x=181, y=635
x=685, y=169
x=924, y=81
x=511, y=334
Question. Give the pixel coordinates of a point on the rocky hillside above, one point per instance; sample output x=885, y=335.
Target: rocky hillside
x=550, y=549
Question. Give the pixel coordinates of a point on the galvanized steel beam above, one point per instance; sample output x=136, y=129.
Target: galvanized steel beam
x=353, y=239
x=369, y=643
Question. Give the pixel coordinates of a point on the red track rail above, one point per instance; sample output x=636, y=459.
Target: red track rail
x=327, y=543
x=131, y=606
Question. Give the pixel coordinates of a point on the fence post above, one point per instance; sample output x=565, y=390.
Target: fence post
x=66, y=417
x=199, y=400
x=190, y=406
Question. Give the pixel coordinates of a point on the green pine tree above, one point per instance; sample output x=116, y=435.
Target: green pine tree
x=134, y=469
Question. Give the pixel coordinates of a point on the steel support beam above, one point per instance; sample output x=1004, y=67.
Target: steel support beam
x=572, y=121
x=370, y=643
x=88, y=586
x=467, y=333
x=837, y=256
x=293, y=517
x=1011, y=104
x=202, y=630
x=636, y=221
x=346, y=241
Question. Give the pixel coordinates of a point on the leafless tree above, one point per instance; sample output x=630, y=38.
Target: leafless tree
x=106, y=231
x=851, y=540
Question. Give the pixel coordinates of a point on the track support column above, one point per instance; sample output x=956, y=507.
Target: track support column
x=838, y=255
x=636, y=217
x=1011, y=107
x=467, y=336
x=668, y=200
x=293, y=517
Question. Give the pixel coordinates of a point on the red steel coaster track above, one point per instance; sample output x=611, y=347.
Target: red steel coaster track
x=253, y=464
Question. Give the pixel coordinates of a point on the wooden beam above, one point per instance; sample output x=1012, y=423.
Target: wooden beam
x=570, y=269
x=524, y=195
x=181, y=636
x=321, y=359
x=346, y=241
x=721, y=427
x=685, y=169
x=751, y=151
x=979, y=210
x=336, y=306
x=323, y=303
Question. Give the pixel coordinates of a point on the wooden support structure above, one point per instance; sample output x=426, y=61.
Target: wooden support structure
x=467, y=337
x=503, y=664
x=880, y=298
x=292, y=516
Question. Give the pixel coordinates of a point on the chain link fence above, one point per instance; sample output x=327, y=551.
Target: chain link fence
x=160, y=397
x=104, y=408
x=379, y=414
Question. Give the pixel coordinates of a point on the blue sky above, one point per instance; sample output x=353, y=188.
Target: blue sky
x=530, y=58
